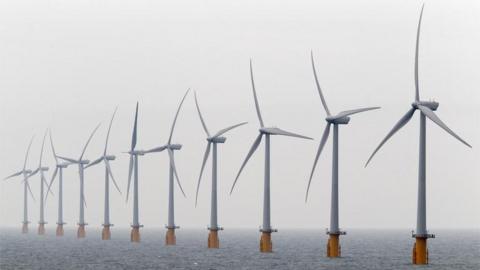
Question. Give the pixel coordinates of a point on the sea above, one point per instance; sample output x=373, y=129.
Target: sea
x=293, y=249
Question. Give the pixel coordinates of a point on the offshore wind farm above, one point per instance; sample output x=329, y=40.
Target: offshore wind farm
x=192, y=94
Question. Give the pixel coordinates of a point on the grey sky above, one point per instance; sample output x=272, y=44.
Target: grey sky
x=67, y=64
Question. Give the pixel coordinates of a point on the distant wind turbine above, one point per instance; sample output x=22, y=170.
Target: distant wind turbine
x=420, y=250
x=81, y=167
x=26, y=173
x=265, y=240
x=108, y=175
x=170, y=238
x=342, y=118
x=213, y=241
x=59, y=166
x=43, y=183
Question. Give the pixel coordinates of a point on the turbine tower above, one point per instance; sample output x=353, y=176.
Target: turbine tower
x=213, y=241
x=170, y=238
x=133, y=169
x=59, y=166
x=43, y=183
x=81, y=167
x=266, y=229
x=427, y=108
x=26, y=173
x=108, y=175
x=342, y=118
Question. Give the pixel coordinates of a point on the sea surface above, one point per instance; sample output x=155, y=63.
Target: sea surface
x=293, y=249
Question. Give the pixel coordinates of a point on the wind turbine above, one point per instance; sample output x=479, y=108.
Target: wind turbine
x=170, y=238
x=26, y=173
x=43, y=182
x=266, y=229
x=59, y=166
x=420, y=250
x=81, y=167
x=213, y=241
x=342, y=118
x=133, y=168
x=108, y=174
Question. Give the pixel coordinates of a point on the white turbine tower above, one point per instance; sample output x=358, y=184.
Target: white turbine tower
x=420, y=250
x=265, y=240
x=43, y=183
x=108, y=175
x=133, y=169
x=26, y=173
x=213, y=241
x=170, y=238
x=81, y=167
x=342, y=118
x=59, y=166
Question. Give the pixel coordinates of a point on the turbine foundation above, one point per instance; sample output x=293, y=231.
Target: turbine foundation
x=170, y=238
x=81, y=231
x=25, y=227
x=106, y=232
x=266, y=242
x=213, y=241
x=41, y=228
x=420, y=251
x=59, y=231
x=134, y=234
x=333, y=246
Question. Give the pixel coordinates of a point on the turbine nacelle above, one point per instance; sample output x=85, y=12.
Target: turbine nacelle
x=63, y=165
x=83, y=161
x=44, y=169
x=338, y=120
x=110, y=157
x=432, y=105
x=28, y=171
x=174, y=146
x=216, y=139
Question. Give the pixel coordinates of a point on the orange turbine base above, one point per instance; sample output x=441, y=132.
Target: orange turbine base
x=266, y=242
x=333, y=246
x=170, y=239
x=213, y=241
x=59, y=231
x=106, y=233
x=81, y=231
x=135, y=235
x=41, y=229
x=420, y=251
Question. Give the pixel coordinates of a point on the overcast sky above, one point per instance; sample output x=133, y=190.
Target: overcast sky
x=67, y=64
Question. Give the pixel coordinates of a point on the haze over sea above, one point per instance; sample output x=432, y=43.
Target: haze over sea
x=293, y=249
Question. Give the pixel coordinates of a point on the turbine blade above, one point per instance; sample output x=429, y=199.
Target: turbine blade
x=134, y=134
x=257, y=107
x=13, y=175
x=277, y=131
x=417, y=91
x=430, y=114
x=109, y=169
x=156, y=149
x=95, y=162
x=318, y=86
x=350, y=112
x=404, y=120
x=250, y=153
x=51, y=182
x=46, y=184
x=28, y=150
x=88, y=141
x=53, y=148
x=41, y=151
x=68, y=159
x=223, y=131
x=30, y=190
x=172, y=163
x=205, y=157
x=324, y=139
x=108, y=132
x=176, y=115
x=200, y=114
x=84, y=201
x=130, y=168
